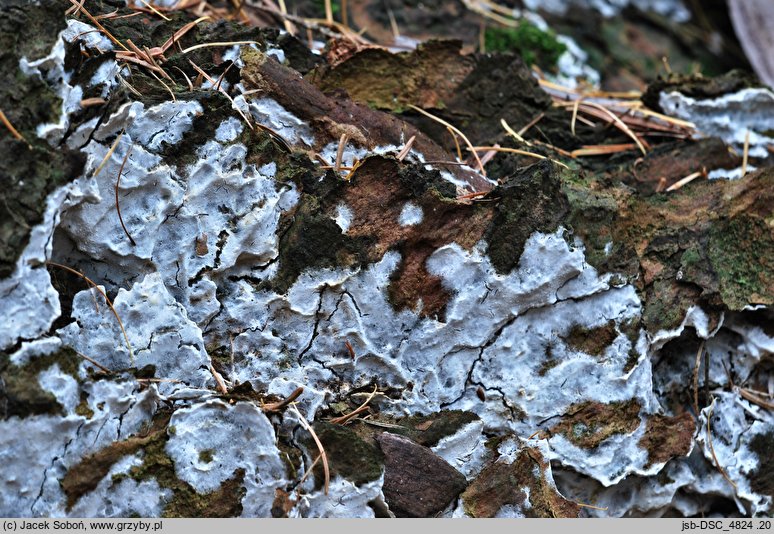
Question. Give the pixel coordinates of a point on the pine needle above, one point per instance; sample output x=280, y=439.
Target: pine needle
x=582, y=505
x=619, y=124
x=574, y=115
x=340, y=151
x=513, y=133
x=288, y=25
x=712, y=448
x=156, y=11
x=696, y=379
x=165, y=86
x=107, y=300
x=328, y=12
x=118, y=208
x=457, y=145
x=690, y=178
x=218, y=380
x=518, y=151
x=406, y=148
x=97, y=24
x=95, y=363
x=344, y=419
x=458, y=132
x=224, y=43
x=317, y=442
x=109, y=153
x=531, y=123
x=602, y=150
x=14, y=131
x=279, y=406
x=746, y=152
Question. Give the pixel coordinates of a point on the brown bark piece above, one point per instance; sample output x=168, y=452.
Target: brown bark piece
x=677, y=160
x=501, y=484
x=331, y=115
x=667, y=437
x=417, y=482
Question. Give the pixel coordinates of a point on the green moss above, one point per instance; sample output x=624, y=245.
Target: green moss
x=533, y=44
x=631, y=329
x=594, y=217
x=206, y=456
x=84, y=476
x=23, y=396
x=348, y=455
x=185, y=501
x=587, y=424
x=741, y=252
x=83, y=407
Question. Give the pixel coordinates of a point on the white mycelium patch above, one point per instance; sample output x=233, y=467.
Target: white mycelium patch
x=344, y=217
x=674, y=9
x=410, y=215
x=210, y=441
x=729, y=117
x=497, y=334
x=205, y=231
x=344, y=500
x=37, y=451
x=158, y=329
x=270, y=113
x=734, y=424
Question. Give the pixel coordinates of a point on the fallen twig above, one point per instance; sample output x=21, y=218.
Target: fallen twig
x=279, y=406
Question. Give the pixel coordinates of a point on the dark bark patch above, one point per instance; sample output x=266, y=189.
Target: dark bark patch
x=417, y=482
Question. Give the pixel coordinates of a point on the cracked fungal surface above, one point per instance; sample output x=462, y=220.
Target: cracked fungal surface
x=537, y=342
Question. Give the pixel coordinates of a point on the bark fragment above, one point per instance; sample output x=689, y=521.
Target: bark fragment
x=417, y=483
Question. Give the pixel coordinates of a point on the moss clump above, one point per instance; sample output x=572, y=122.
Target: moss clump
x=348, y=455
x=83, y=406
x=588, y=424
x=741, y=251
x=631, y=329
x=501, y=484
x=312, y=240
x=533, y=44
x=84, y=476
x=22, y=395
x=226, y=501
